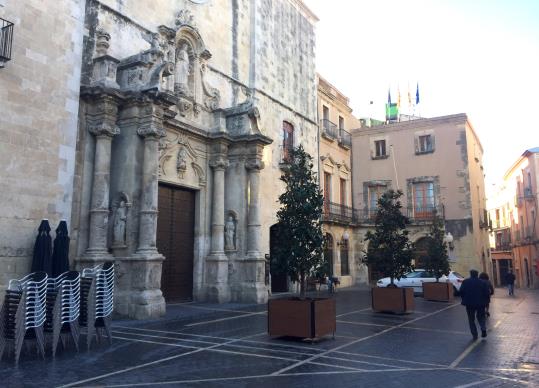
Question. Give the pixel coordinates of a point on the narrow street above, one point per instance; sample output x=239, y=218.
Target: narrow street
x=227, y=345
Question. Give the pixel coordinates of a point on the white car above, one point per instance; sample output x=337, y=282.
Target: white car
x=416, y=278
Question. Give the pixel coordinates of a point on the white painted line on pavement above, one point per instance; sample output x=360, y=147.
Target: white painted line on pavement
x=465, y=353
x=391, y=359
x=146, y=364
x=223, y=319
x=353, y=312
x=217, y=309
x=475, y=383
x=280, y=371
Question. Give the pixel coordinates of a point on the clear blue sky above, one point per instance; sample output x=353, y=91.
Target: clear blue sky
x=479, y=57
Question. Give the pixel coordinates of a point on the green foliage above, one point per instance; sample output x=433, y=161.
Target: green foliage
x=436, y=261
x=390, y=251
x=299, y=245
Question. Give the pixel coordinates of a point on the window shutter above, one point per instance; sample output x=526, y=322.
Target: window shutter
x=432, y=142
x=416, y=144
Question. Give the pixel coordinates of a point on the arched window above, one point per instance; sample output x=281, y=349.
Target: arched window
x=345, y=266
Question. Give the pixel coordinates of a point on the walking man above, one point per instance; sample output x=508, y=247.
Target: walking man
x=510, y=280
x=475, y=294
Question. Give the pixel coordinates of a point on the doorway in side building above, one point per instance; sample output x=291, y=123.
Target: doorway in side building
x=175, y=241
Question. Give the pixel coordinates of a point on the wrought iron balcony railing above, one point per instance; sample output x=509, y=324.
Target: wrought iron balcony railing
x=425, y=213
x=6, y=39
x=345, y=139
x=329, y=129
x=285, y=154
x=527, y=193
x=503, y=246
x=336, y=212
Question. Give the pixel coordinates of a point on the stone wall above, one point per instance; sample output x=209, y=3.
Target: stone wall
x=39, y=90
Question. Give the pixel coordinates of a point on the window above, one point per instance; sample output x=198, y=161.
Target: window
x=425, y=144
x=343, y=191
x=341, y=122
x=288, y=140
x=325, y=112
x=423, y=200
x=380, y=148
x=327, y=187
x=375, y=192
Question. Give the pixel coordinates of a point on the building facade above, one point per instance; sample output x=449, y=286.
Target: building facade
x=342, y=246
x=185, y=113
x=437, y=163
x=515, y=228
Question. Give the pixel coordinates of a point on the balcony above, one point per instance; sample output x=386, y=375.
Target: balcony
x=527, y=193
x=338, y=213
x=503, y=246
x=345, y=139
x=285, y=155
x=6, y=39
x=420, y=214
x=484, y=222
x=329, y=129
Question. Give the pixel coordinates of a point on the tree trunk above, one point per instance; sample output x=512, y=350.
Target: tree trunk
x=302, y=288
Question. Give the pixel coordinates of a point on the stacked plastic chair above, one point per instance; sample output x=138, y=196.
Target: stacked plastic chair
x=97, y=300
x=23, y=313
x=63, y=308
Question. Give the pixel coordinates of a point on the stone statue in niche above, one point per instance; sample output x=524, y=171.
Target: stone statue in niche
x=181, y=162
x=120, y=219
x=182, y=71
x=230, y=234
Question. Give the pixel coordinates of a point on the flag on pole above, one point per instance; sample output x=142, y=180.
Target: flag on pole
x=409, y=98
x=417, y=95
x=399, y=97
x=389, y=96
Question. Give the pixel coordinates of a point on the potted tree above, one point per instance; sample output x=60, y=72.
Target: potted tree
x=437, y=264
x=390, y=252
x=298, y=253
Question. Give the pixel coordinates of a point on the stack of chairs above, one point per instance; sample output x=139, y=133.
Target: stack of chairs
x=97, y=297
x=63, y=308
x=23, y=313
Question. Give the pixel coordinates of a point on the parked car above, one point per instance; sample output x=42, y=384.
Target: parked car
x=416, y=278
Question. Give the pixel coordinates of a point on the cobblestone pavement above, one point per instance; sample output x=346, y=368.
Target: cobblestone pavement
x=210, y=345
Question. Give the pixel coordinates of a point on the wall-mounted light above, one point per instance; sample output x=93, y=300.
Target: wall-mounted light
x=344, y=239
x=448, y=238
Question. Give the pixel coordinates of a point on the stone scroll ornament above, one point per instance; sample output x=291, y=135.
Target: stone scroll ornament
x=212, y=95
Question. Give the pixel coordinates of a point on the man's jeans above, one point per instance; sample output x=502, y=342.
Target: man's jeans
x=511, y=289
x=472, y=313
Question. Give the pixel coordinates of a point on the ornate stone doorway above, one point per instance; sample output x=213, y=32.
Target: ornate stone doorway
x=175, y=241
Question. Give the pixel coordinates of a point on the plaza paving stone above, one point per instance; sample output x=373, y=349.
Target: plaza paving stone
x=226, y=345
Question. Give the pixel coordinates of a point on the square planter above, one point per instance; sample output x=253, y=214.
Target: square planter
x=438, y=291
x=393, y=299
x=307, y=318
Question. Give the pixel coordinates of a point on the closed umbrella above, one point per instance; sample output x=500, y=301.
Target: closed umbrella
x=60, y=252
x=43, y=249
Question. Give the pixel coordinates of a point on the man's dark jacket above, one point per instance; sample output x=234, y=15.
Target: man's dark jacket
x=510, y=278
x=474, y=292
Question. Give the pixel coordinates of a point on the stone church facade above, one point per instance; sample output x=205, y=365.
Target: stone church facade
x=186, y=111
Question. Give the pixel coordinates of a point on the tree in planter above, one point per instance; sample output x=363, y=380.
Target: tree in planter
x=436, y=261
x=390, y=251
x=300, y=240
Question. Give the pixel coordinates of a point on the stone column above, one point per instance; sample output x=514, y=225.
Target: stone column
x=216, y=279
x=219, y=166
x=253, y=218
x=104, y=130
x=148, y=204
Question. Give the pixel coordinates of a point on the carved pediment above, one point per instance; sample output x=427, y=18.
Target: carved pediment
x=179, y=161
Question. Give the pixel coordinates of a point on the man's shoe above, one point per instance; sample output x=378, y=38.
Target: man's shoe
x=483, y=333
x=488, y=314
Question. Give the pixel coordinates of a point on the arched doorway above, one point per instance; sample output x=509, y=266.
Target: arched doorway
x=420, y=252
x=279, y=281
x=328, y=253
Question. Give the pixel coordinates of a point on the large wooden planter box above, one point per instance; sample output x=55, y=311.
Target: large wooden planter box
x=438, y=291
x=307, y=318
x=393, y=299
